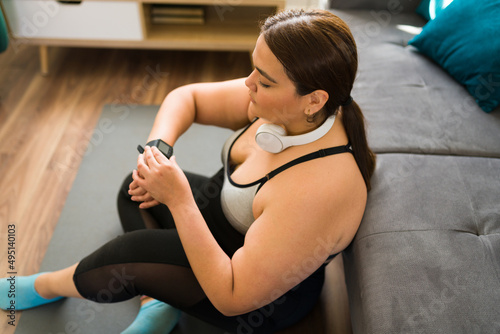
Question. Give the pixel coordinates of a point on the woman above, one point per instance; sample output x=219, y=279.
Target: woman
x=247, y=248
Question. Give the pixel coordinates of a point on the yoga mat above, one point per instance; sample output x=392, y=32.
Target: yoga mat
x=90, y=218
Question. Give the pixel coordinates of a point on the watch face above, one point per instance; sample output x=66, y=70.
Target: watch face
x=165, y=148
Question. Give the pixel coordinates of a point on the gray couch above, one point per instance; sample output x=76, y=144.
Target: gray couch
x=426, y=258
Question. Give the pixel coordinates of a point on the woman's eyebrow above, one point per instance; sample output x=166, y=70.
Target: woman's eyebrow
x=267, y=76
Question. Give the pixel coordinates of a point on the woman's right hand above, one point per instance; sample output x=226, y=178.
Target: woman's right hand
x=139, y=194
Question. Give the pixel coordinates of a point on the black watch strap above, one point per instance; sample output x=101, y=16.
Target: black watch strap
x=164, y=148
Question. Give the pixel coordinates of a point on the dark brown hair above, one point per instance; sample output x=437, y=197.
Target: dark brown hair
x=318, y=51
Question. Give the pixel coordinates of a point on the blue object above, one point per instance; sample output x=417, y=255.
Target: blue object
x=429, y=9
x=155, y=317
x=18, y=293
x=464, y=40
x=4, y=36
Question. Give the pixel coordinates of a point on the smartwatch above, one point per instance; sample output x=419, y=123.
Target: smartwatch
x=164, y=148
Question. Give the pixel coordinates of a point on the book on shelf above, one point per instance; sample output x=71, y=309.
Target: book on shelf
x=177, y=10
x=177, y=14
x=177, y=20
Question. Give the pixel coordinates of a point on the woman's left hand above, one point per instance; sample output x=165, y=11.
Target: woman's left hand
x=162, y=178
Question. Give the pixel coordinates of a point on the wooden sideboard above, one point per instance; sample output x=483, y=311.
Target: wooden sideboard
x=230, y=25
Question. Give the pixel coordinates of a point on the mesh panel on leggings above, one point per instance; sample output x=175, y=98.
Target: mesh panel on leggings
x=130, y=263
x=173, y=284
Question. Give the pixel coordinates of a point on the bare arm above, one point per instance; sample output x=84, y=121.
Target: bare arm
x=223, y=104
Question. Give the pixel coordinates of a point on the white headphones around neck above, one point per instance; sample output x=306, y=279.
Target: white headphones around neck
x=273, y=139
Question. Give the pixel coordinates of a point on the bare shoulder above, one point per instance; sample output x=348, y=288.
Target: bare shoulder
x=328, y=193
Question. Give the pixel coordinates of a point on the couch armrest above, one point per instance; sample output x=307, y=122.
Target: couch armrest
x=391, y=5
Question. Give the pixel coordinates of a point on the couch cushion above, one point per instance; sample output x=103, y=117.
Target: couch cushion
x=372, y=27
x=392, y=5
x=411, y=104
x=426, y=256
x=412, y=192
x=439, y=282
x=463, y=39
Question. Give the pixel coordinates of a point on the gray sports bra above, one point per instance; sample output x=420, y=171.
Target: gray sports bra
x=237, y=199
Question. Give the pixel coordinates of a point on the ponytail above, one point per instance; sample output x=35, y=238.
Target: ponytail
x=354, y=124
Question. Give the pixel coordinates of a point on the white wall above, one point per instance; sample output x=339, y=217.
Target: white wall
x=307, y=4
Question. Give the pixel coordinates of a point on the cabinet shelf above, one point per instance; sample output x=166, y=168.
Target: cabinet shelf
x=238, y=38
x=223, y=29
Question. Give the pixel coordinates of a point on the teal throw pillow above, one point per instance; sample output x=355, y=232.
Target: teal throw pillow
x=4, y=36
x=463, y=39
x=429, y=9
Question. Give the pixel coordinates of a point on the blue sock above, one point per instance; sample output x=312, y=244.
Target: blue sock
x=18, y=292
x=154, y=317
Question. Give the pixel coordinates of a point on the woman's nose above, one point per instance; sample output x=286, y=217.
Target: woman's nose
x=250, y=82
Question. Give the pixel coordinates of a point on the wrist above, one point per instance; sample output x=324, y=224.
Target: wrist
x=185, y=209
x=182, y=205
x=164, y=148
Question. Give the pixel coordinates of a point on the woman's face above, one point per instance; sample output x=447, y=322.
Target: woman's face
x=273, y=94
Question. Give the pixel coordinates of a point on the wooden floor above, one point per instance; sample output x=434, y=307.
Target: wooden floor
x=46, y=123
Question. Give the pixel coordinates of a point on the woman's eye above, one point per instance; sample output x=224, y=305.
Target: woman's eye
x=264, y=85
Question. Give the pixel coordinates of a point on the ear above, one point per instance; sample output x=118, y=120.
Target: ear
x=317, y=101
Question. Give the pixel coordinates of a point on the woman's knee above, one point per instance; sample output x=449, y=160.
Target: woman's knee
x=123, y=192
x=128, y=210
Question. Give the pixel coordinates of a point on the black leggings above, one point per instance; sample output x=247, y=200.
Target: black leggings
x=149, y=260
